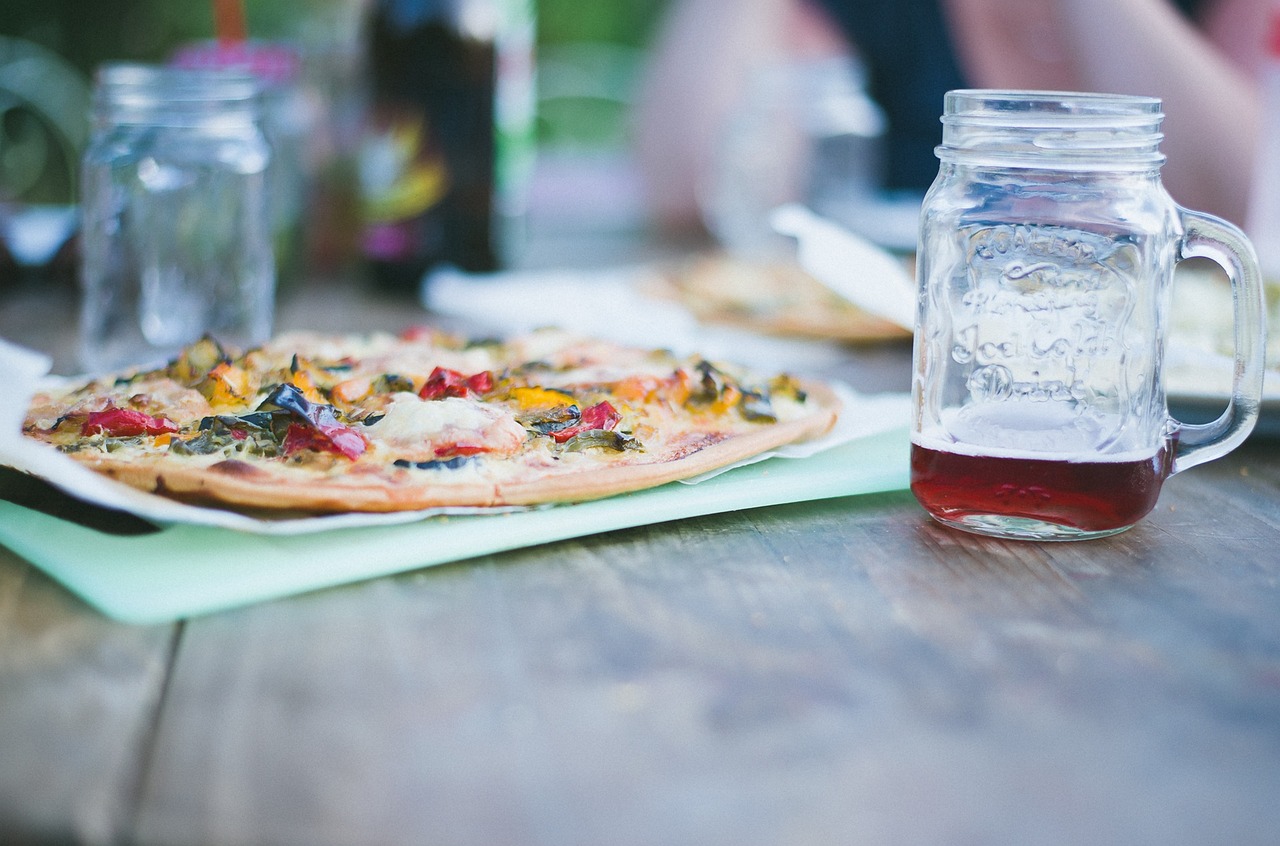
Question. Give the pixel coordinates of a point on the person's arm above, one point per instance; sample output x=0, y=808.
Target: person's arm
x=701, y=60
x=1210, y=99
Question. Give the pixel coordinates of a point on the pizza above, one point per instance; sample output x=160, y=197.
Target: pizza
x=774, y=297
x=381, y=422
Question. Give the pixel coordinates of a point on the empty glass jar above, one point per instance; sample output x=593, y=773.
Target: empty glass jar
x=177, y=237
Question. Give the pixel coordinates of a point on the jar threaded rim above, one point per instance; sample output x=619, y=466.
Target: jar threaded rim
x=1055, y=130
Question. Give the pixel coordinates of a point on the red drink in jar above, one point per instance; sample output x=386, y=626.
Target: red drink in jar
x=1091, y=494
x=1047, y=250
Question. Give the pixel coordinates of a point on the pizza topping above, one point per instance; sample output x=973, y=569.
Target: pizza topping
x=602, y=439
x=299, y=437
x=253, y=433
x=225, y=385
x=300, y=377
x=712, y=388
x=351, y=391
x=197, y=360
x=415, y=428
x=435, y=463
x=125, y=422
x=392, y=383
x=450, y=383
x=554, y=413
x=599, y=416
x=757, y=406
x=453, y=450
x=543, y=410
x=319, y=419
x=538, y=399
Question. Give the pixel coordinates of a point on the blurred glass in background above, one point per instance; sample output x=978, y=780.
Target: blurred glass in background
x=43, y=108
x=178, y=240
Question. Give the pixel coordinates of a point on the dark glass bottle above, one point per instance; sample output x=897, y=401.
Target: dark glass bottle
x=429, y=169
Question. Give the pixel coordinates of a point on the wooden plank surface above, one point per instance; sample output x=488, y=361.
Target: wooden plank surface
x=839, y=672
x=78, y=699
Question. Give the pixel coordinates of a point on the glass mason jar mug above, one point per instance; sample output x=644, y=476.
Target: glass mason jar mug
x=177, y=240
x=1047, y=250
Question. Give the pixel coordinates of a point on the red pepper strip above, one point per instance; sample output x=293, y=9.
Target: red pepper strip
x=417, y=333
x=126, y=421
x=342, y=440
x=599, y=416
x=454, y=450
x=450, y=383
x=336, y=436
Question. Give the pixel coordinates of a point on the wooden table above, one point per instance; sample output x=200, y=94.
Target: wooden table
x=840, y=672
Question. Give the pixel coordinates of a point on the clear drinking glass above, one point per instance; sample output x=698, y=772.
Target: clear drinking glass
x=177, y=239
x=1045, y=269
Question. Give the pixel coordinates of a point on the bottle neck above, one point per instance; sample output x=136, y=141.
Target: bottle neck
x=1053, y=131
x=152, y=95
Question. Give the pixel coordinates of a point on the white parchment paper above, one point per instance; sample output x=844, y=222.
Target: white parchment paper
x=25, y=372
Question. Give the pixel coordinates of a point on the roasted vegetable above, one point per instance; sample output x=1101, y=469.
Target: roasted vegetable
x=450, y=383
x=125, y=422
x=320, y=419
x=259, y=433
x=602, y=439
x=436, y=464
x=757, y=406
x=351, y=391
x=302, y=375
x=225, y=385
x=197, y=360
x=544, y=410
x=785, y=385
x=600, y=416
x=390, y=383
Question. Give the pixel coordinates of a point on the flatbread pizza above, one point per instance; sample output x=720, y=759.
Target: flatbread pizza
x=382, y=422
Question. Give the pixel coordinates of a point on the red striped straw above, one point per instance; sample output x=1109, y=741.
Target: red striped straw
x=228, y=21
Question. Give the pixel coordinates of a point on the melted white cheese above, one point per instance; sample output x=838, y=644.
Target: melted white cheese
x=412, y=425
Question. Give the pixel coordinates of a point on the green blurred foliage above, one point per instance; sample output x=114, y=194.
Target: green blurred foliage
x=590, y=57
x=89, y=32
x=591, y=48
x=627, y=22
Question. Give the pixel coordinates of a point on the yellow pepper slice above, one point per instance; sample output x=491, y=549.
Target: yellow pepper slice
x=535, y=398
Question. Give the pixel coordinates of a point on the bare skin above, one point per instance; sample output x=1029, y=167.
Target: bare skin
x=1206, y=74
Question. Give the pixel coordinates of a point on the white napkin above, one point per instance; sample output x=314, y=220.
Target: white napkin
x=856, y=269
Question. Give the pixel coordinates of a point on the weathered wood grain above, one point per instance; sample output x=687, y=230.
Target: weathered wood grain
x=78, y=699
x=840, y=672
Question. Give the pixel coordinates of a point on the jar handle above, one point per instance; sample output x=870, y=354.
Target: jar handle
x=1206, y=236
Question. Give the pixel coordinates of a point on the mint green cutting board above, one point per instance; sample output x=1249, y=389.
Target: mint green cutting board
x=183, y=570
